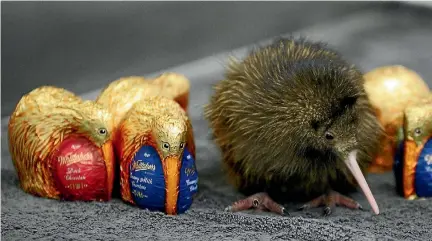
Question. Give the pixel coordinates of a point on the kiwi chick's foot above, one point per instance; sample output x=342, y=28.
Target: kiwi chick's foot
x=260, y=201
x=330, y=200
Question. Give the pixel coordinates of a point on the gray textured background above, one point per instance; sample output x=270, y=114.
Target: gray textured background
x=85, y=45
x=82, y=47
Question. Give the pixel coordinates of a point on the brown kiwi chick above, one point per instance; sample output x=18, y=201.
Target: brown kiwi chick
x=294, y=124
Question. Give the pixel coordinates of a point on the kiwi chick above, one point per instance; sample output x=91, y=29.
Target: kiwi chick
x=294, y=123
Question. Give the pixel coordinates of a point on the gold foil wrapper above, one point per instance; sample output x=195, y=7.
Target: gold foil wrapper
x=120, y=95
x=155, y=121
x=391, y=89
x=42, y=119
x=417, y=131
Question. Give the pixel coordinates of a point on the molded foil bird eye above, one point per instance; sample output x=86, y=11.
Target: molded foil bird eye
x=165, y=145
x=103, y=131
x=181, y=145
x=417, y=131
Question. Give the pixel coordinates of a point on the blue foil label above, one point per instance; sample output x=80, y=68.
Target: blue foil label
x=147, y=183
x=188, y=182
x=423, y=177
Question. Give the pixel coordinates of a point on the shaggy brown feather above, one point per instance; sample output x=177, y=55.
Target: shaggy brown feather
x=271, y=113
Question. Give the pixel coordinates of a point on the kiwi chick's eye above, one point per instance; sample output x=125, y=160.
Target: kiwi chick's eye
x=329, y=136
x=103, y=131
x=181, y=145
x=165, y=145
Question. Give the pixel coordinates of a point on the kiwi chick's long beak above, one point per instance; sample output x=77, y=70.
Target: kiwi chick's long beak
x=353, y=166
x=171, y=166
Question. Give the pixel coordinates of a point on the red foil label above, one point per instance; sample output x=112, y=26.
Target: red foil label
x=79, y=170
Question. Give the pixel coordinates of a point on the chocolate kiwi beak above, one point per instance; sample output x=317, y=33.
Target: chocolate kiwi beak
x=171, y=167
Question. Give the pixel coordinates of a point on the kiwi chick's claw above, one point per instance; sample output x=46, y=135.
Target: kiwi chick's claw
x=308, y=105
x=260, y=201
x=330, y=200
